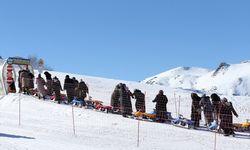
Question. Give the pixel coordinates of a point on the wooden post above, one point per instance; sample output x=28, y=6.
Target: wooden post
x=73, y=119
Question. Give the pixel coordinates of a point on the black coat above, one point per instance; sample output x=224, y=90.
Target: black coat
x=226, y=112
x=207, y=109
x=161, y=106
x=125, y=101
x=115, y=103
x=140, y=100
x=57, y=88
x=69, y=87
x=81, y=91
x=196, y=109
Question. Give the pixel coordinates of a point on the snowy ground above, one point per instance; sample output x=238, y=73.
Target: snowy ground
x=48, y=126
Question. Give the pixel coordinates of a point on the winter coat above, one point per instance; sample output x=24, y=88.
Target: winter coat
x=57, y=88
x=140, y=100
x=215, y=103
x=25, y=79
x=75, y=85
x=207, y=109
x=125, y=101
x=115, y=103
x=31, y=80
x=226, y=112
x=70, y=88
x=49, y=84
x=47, y=75
x=196, y=109
x=40, y=82
x=81, y=91
x=20, y=79
x=161, y=106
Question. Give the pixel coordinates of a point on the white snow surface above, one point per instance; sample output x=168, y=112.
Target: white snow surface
x=48, y=126
x=233, y=79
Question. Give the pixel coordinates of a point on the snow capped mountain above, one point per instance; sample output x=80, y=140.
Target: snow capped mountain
x=228, y=79
x=181, y=77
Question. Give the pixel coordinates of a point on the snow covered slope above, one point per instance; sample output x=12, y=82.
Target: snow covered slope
x=181, y=77
x=48, y=126
x=228, y=79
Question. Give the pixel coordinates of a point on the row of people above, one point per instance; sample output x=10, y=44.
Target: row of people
x=219, y=110
x=121, y=100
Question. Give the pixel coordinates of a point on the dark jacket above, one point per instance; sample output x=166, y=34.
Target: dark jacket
x=207, y=109
x=226, y=112
x=125, y=101
x=215, y=103
x=195, y=109
x=57, y=88
x=82, y=90
x=69, y=87
x=140, y=100
x=161, y=106
x=115, y=103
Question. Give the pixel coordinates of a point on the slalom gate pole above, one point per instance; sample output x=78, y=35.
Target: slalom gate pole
x=179, y=109
x=138, y=134
x=175, y=105
x=73, y=119
x=19, y=109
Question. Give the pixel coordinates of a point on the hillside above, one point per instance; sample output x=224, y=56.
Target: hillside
x=227, y=79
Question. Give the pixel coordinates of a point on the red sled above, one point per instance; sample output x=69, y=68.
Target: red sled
x=103, y=108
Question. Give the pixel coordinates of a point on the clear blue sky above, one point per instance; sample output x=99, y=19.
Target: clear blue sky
x=126, y=39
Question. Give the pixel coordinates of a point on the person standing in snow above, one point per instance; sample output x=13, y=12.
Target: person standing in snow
x=207, y=109
x=25, y=81
x=75, y=81
x=49, y=83
x=82, y=90
x=216, y=103
x=40, y=82
x=69, y=87
x=115, y=103
x=226, y=112
x=161, y=101
x=57, y=88
x=140, y=100
x=196, y=109
x=125, y=100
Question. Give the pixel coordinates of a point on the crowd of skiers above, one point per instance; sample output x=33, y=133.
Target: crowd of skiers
x=217, y=110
